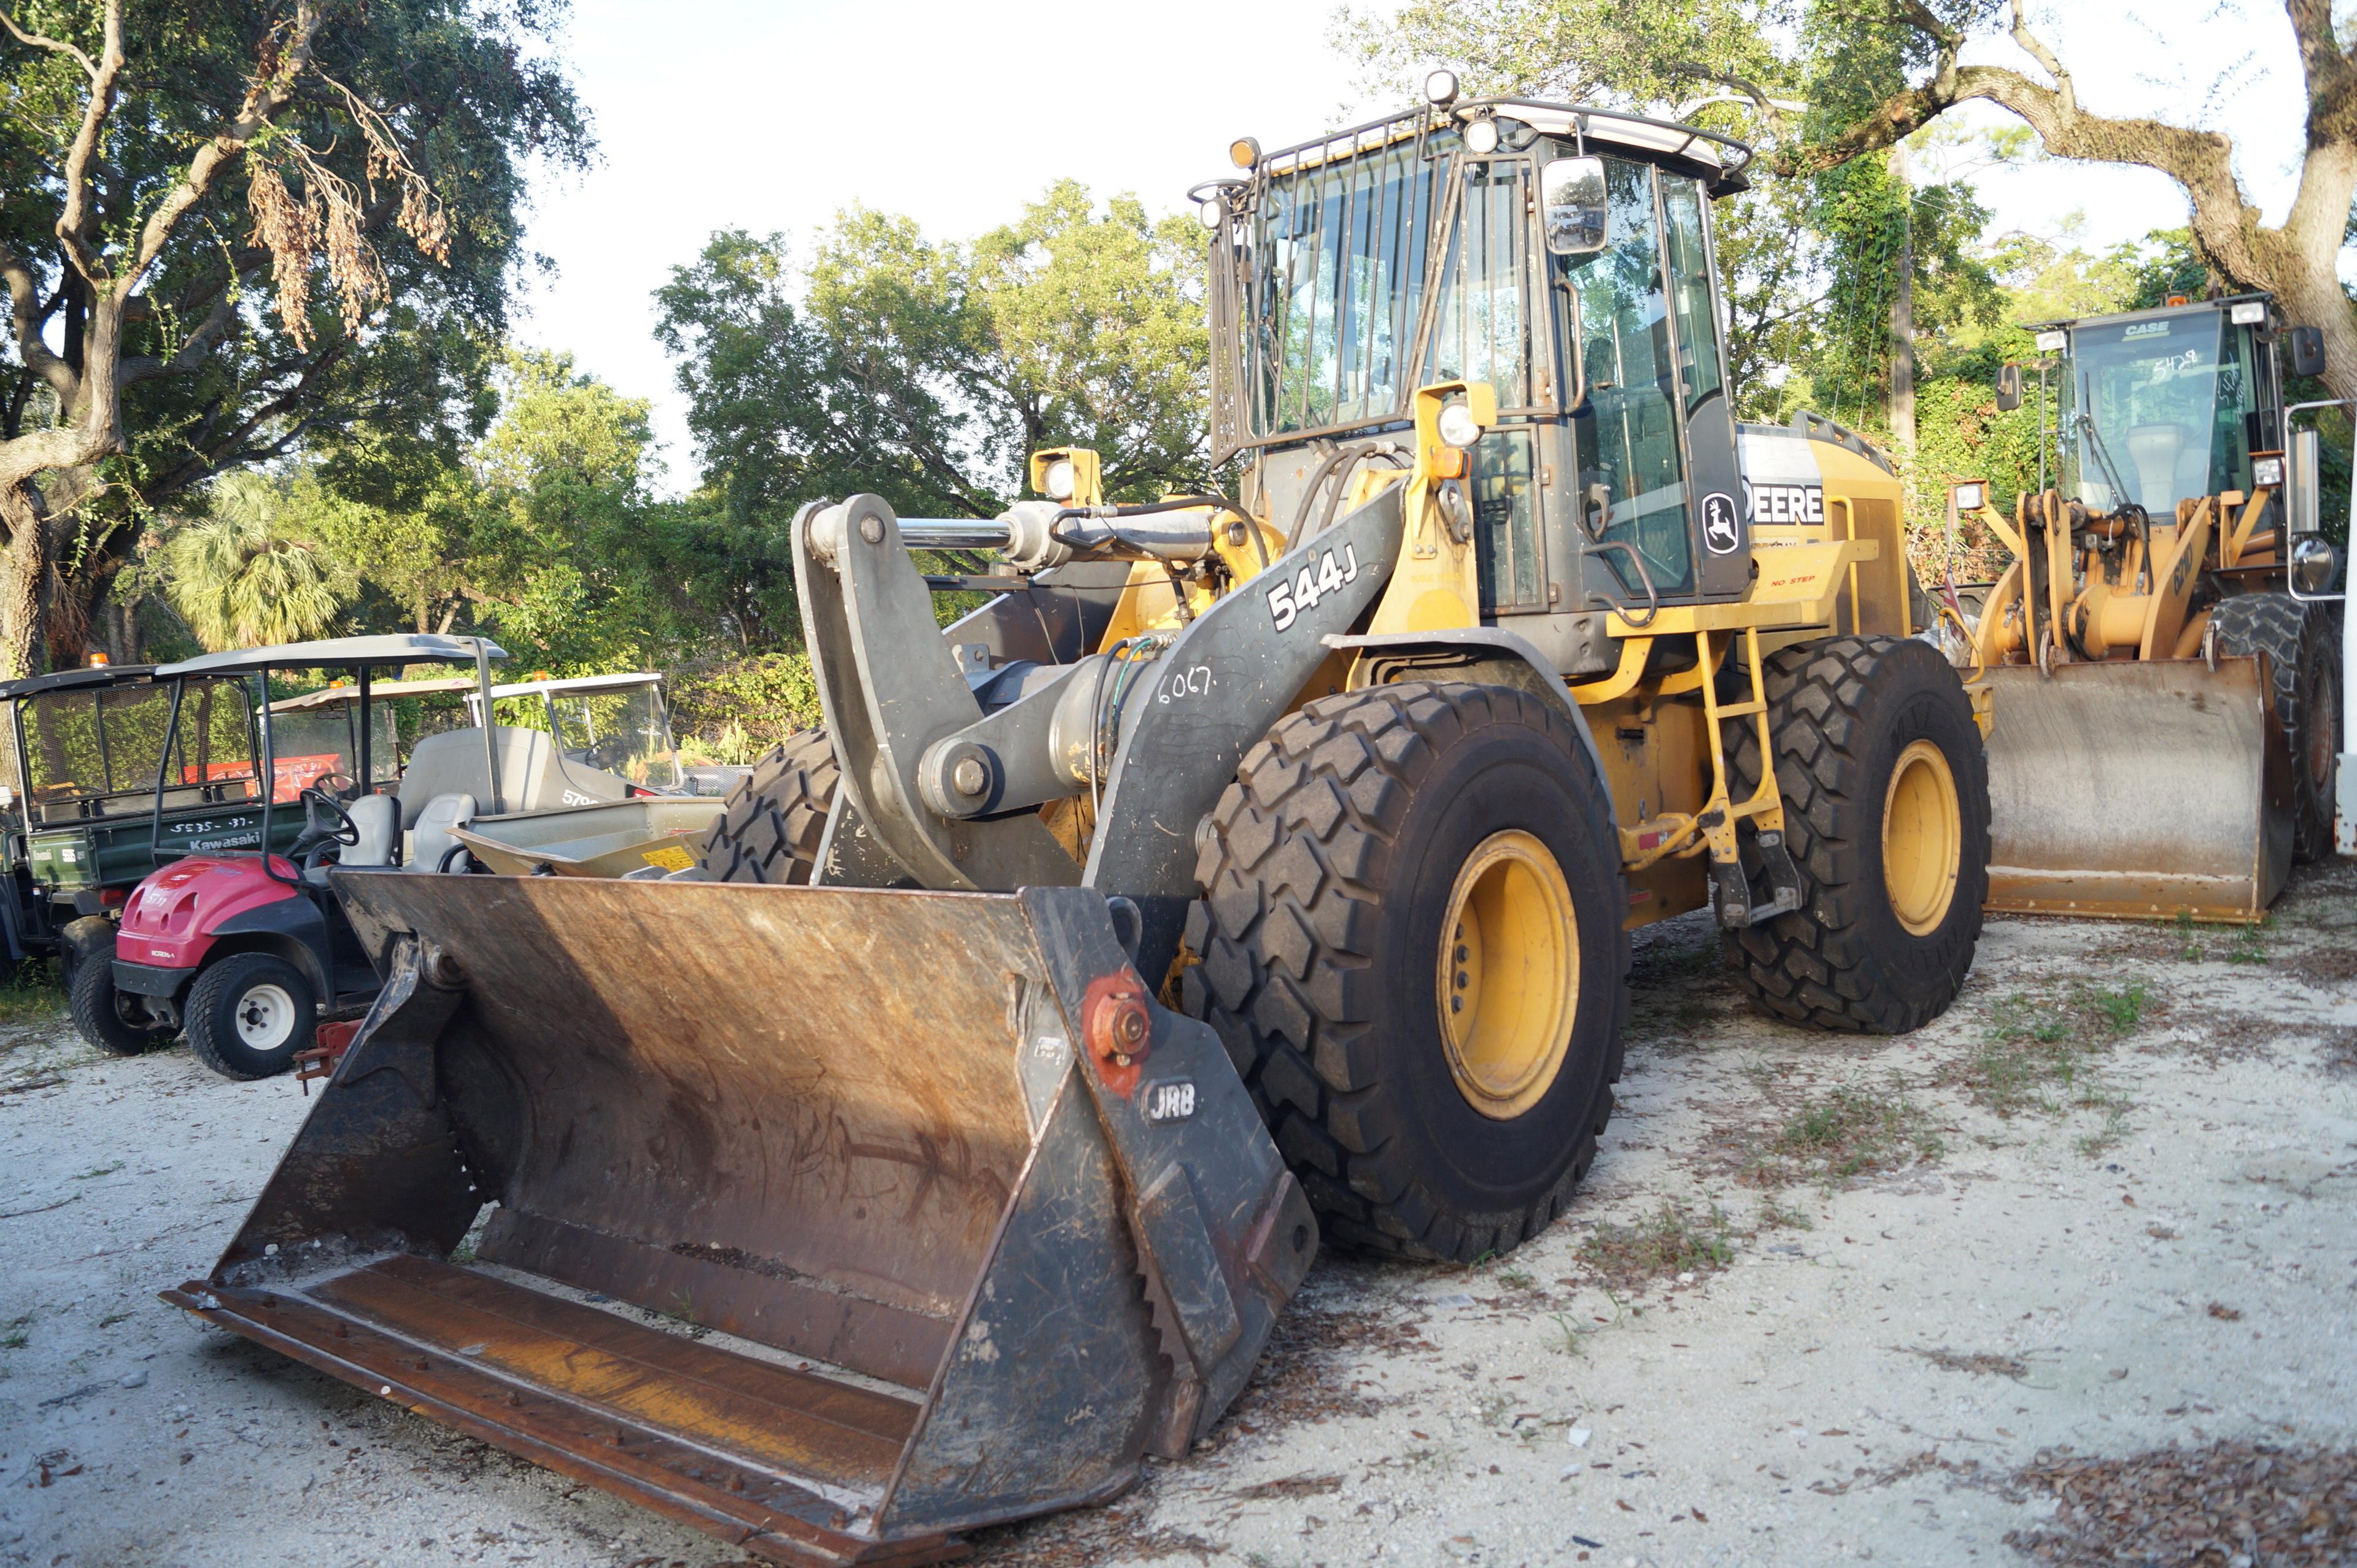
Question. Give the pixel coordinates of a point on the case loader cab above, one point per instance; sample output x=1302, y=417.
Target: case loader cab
x=1561, y=256
x=2160, y=406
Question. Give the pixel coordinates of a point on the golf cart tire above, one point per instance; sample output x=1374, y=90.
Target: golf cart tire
x=97, y=1010
x=221, y=992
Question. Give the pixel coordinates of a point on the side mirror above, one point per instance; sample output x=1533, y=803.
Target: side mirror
x=2302, y=491
x=2009, y=388
x=2314, y=565
x=1571, y=191
x=2306, y=351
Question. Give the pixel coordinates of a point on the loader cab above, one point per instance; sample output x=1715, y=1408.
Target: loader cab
x=2155, y=407
x=1561, y=256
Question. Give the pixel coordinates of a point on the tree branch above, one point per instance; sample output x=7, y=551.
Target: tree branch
x=264, y=98
x=75, y=222
x=37, y=41
x=25, y=309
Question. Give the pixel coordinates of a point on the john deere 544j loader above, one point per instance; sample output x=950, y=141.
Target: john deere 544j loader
x=1246, y=867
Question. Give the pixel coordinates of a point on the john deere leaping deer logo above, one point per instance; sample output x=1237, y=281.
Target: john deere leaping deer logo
x=1718, y=529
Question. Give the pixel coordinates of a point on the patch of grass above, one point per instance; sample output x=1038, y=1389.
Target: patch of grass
x=1854, y=1129
x=2187, y=945
x=2249, y=945
x=29, y=993
x=2036, y=1053
x=1776, y=1215
x=1515, y=1279
x=100, y=1171
x=17, y=1333
x=1574, y=1341
x=2105, y=1139
x=1675, y=1241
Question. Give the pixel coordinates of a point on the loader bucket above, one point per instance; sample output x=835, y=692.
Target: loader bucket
x=2138, y=789
x=831, y=1221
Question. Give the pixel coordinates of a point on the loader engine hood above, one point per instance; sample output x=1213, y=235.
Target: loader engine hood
x=171, y=918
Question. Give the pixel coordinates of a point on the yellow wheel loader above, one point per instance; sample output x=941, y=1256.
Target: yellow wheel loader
x=2148, y=639
x=1249, y=868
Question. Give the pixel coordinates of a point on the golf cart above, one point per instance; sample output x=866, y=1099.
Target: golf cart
x=93, y=792
x=244, y=950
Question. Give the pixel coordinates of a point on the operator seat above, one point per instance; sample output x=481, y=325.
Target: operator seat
x=377, y=818
x=432, y=840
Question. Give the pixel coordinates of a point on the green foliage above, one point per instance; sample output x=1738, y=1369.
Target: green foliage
x=242, y=580
x=229, y=363
x=925, y=372
x=745, y=706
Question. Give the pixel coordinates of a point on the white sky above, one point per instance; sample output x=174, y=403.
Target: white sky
x=955, y=113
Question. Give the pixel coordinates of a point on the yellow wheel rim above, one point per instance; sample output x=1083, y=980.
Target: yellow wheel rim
x=1509, y=974
x=1922, y=838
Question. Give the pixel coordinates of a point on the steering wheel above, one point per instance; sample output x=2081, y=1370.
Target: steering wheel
x=325, y=822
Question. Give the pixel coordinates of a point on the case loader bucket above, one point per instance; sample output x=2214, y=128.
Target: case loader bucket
x=2141, y=789
x=963, y=1224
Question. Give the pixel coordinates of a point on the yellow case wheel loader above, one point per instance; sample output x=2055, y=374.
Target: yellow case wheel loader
x=2147, y=640
x=1244, y=866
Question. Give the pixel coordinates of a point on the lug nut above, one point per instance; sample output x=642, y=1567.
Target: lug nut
x=970, y=777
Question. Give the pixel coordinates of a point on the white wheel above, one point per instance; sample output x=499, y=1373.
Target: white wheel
x=265, y=1018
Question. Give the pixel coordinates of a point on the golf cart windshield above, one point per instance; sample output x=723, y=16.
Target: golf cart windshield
x=98, y=753
x=617, y=724
x=2154, y=410
x=319, y=729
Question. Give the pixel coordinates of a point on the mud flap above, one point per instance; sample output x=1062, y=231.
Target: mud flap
x=951, y=1223
x=2143, y=789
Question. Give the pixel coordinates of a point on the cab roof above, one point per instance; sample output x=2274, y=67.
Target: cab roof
x=556, y=685
x=401, y=647
x=97, y=675
x=1720, y=159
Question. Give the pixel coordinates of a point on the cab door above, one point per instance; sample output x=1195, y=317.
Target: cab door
x=1722, y=523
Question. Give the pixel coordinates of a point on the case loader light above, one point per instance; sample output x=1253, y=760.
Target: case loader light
x=1058, y=482
x=2250, y=313
x=1970, y=494
x=1457, y=426
x=2054, y=342
x=1213, y=213
x=1244, y=152
x=2266, y=472
x=1481, y=136
x=1440, y=88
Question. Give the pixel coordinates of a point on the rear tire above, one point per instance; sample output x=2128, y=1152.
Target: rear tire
x=2303, y=649
x=1863, y=724
x=769, y=828
x=1354, y=833
x=96, y=1006
x=249, y=1014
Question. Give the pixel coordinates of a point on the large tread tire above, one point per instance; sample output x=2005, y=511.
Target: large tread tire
x=2303, y=648
x=91, y=999
x=1840, y=712
x=770, y=827
x=222, y=990
x=1326, y=875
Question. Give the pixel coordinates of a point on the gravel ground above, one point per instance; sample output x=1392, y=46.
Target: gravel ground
x=1920, y=1300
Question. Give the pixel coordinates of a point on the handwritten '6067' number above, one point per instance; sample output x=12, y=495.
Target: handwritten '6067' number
x=1311, y=584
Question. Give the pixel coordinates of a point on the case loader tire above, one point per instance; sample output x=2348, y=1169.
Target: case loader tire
x=2303, y=649
x=769, y=829
x=1884, y=937
x=1332, y=867
x=91, y=997
x=249, y=1013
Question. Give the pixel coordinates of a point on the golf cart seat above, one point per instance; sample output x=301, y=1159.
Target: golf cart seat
x=533, y=777
x=431, y=841
x=377, y=818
